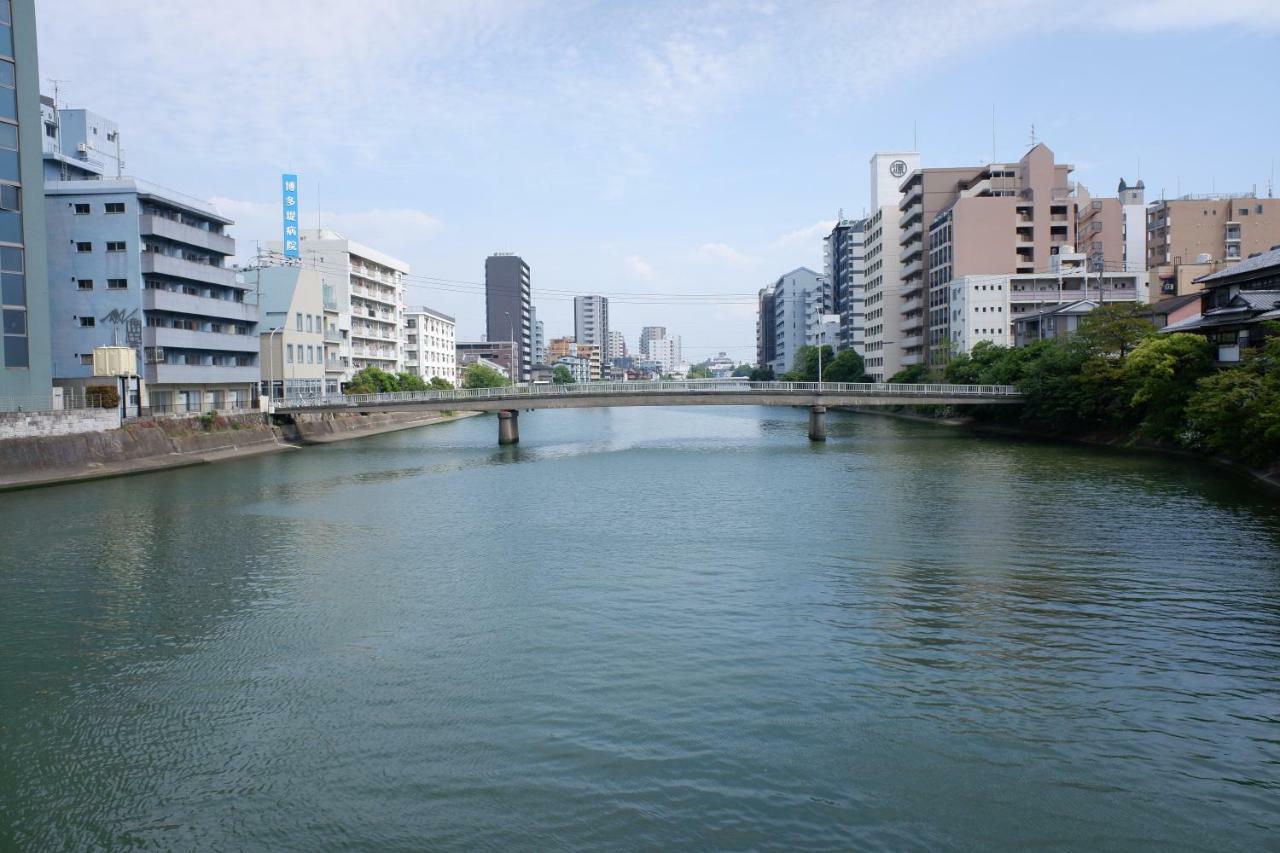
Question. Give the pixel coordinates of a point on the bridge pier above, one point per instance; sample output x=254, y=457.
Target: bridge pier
x=508, y=426
x=817, y=423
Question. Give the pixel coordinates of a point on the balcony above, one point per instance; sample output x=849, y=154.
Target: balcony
x=182, y=233
x=374, y=294
x=158, y=264
x=335, y=365
x=332, y=336
x=203, y=306
x=911, y=342
x=197, y=374
x=156, y=336
x=912, y=267
x=910, y=233
x=909, y=359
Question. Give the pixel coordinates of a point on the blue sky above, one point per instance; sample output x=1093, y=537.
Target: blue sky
x=651, y=147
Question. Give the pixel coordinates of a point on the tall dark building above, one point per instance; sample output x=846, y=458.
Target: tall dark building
x=508, y=308
x=845, y=270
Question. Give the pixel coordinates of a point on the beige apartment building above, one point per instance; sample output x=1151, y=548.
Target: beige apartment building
x=1005, y=219
x=1196, y=235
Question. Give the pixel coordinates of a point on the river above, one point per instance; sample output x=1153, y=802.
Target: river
x=645, y=629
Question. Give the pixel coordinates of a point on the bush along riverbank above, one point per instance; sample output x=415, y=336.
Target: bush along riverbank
x=1118, y=381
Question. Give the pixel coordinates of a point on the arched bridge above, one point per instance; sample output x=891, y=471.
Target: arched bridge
x=509, y=400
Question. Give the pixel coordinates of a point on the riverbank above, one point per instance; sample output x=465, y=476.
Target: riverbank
x=164, y=444
x=1270, y=478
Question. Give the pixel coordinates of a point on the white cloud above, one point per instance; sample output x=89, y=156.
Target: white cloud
x=726, y=254
x=806, y=237
x=1161, y=15
x=637, y=267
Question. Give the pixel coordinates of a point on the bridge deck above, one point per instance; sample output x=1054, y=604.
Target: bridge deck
x=697, y=392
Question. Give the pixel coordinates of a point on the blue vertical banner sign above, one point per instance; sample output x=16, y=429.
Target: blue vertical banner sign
x=289, y=194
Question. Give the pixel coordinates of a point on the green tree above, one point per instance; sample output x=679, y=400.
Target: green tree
x=372, y=380
x=1236, y=412
x=700, y=371
x=483, y=376
x=761, y=374
x=805, y=366
x=743, y=370
x=911, y=375
x=562, y=375
x=1113, y=331
x=847, y=366
x=1160, y=375
x=410, y=382
x=439, y=383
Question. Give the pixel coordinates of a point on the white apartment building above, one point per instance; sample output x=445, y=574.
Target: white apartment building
x=616, y=347
x=368, y=297
x=882, y=304
x=986, y=307
x=591, y=322
x=665, y=351
x=430, y=341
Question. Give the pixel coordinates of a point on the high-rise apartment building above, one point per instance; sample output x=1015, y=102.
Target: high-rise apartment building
x=539, y=337
x=26, y=368
x=134, y=264
x=430, y=345
x=367, y=296
x=591, y=321
x=616, y=347
x=792, y=313
x=647, y=334
x=883, y=303
x=666, y=352
x=509, y=310
x=998, y=219
x=843, y=257
x=1197, y=235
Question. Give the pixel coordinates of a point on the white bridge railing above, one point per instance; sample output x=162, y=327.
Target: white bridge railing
x=694, y=387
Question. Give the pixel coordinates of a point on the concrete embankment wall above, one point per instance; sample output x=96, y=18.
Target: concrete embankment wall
x=166, y=442
x=325, y=427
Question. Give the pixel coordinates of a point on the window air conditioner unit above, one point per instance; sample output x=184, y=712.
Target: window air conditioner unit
x=83, y=148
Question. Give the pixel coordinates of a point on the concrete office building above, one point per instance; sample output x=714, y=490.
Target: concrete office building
x=1197, y=235
x=508, y=309
x=430, y=345
x=591, y=321
x=843, y=259
x=292, y=332
x=368, y=295
x=134, y=264
x=26, y=367
x=883, y=305
x=791, y=314
x=666, y=352
x=579, y=368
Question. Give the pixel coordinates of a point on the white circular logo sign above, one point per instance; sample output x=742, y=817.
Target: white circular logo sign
x=897, y=168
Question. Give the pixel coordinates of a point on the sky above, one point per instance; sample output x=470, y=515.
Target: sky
x=675, y=156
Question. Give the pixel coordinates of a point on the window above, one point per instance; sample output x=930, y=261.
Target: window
x=115, y=245
x=311, y=356
x=111, y=137
x=117, y=284
x=299, y=320
x=87, y=322
x=82, y=209
x=288, y=357
x=309, y=328
x=114, y=207
x=84, y=247
x=87, y=359
x=84, y=284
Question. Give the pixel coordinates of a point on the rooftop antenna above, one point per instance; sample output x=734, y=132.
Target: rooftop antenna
x=1034, y=141
x=1271, y=179
x=57, y=127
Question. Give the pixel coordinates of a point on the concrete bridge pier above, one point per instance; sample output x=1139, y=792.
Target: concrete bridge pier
x=817, y=423
x=508, y=426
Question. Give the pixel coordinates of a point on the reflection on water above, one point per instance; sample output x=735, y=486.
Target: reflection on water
x=645, y=629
